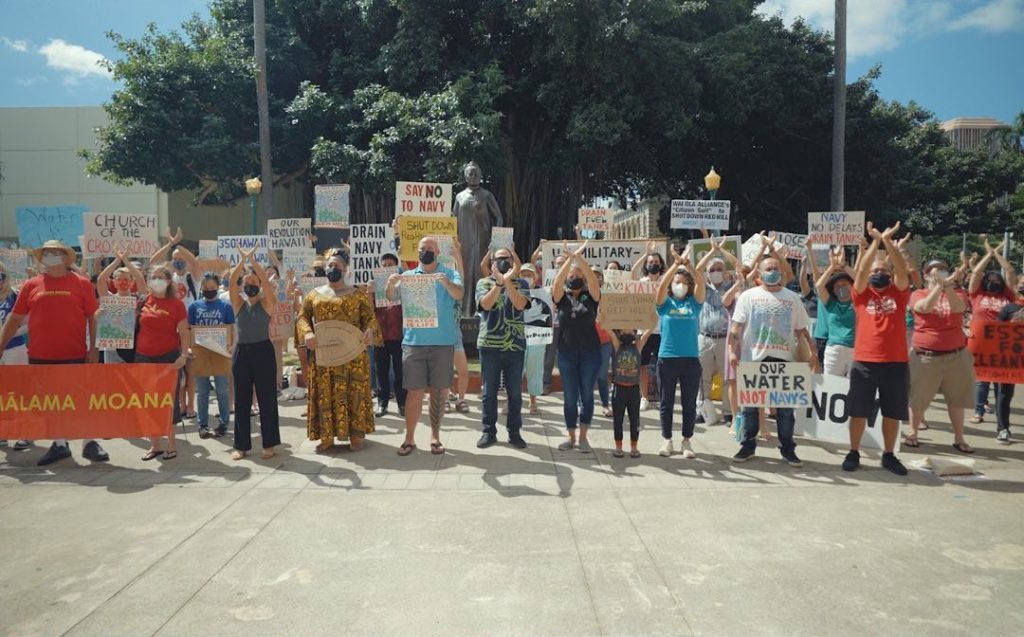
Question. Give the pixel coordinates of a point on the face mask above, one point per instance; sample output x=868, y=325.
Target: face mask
x=251, y=290
x=504, y=265
x=158, y=286
x=653, y=269
x=843, y=293
x=209, y=295
x=627, y=339
x=52, y=260
x=179, y=264
x=426, y=257
x=941, y=275
x=123, y=284
x=716, y=277
x=334, y=275
x=879, y=280
x=993, y=286
x=575, y=283
x=319, y=272
x=771, y=277
x=679, y=290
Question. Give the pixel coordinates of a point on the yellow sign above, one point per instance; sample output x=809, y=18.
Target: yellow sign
x=412, y=229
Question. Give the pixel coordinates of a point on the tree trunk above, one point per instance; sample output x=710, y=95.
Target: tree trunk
x=266, y=211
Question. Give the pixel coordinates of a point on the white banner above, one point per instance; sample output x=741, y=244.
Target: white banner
x=712, y=214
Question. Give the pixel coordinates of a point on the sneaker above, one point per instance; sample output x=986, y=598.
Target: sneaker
x=744, y=454
x=852, y=461
x=382, y=410
x=644, y=404
x=1003, y=437
x=516, y=440
x=22, y=445
x=791, y=458
x=892, y=463
x=486, y=440
x=204, y=432
x=687, y=449
x=94, y=452
x=584, y=446
x=566, y=445
x=666, y=448
x=53, y=454
x=220, y=431
x=401, y=411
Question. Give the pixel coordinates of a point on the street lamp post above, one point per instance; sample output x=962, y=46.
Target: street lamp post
x=253, y=187
x=712, y=181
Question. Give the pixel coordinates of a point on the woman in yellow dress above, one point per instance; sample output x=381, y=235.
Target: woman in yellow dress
x=340, y=400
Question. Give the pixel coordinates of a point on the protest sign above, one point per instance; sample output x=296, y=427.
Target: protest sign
x=752, y=247
x=596, y=219
x=615, y=277
x=821, y=256
x=602, y=252
x=411, y=229
x=501, y=238
x=794, y=246
x=309, y=283
x=380, y=285
x=85, y=401
x=39, y=224
x=539, y=335
x=17, y=263
x=835, y=228
x=628, y=305
x=732, y=243
x=106, y=234
x=337, y=343
x=423, y=199
x=774, y=384
x=369, y=241
x=207, y=249
x=998, y=349
x=419, y=301
x=227, y=248
x=330, y=205
x=297, y=260
x=827, y=417
x=115, y=325
x=212, y=337
x=282, y=322
x=211, y=349
x=712, y=214
x=289, y=233
x=540, y=312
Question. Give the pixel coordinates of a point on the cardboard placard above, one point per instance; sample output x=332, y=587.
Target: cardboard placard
x=331, y=205
x=115, y=326
x=207, y=249
x=211, y=349
x=732, y=243
x=337, y=343
x=794, y=246
x=370, y=241
x=380, y=285
x=227, y=248
x=998, y=348
x=628, y=305
x=419, y=301
x=827, y=417
x=289, y=233
x=423, y=199
x=712, y=214
x=602, y=252
x=297, y=260
x=17, y=262
x=596, y=219
x=106, y=234
x=39, y=224
x=835, y=228
x=774, y=384
x=412, y=229
x=502, y=238
x=282, y=322
x=752, y=247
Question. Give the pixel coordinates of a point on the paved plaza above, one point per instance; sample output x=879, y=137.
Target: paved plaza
x=508, y=542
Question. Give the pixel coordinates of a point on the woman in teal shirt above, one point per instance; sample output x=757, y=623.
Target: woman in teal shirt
x=834, y=287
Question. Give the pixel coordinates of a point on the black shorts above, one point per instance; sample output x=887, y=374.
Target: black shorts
x=651, y=348
x=889, y=381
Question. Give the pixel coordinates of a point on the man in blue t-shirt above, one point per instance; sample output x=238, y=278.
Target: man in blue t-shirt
x=209, y=311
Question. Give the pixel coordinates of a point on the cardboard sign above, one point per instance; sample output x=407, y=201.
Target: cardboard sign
x=774, y=385
x=370, y=241
x=207, y=249
x=419, y=301
x=700, y=247
x=835, y=228
x=412, y=229
x=337, y=343
x=826, y=418
x=297, y=260
x=86, y=401
x=115, y=326
x=330, y=205
x=539, y=335
x=628, y=305
x=39, y=224
x=794, y=246
x=998, y=348
x=107, y=233
x=282, y=322
x=602, y=252
x=227, y=248
x=211, y=349
x=380, y=285
x=502, y=238
x=423, y=199
x=752, y=247
x=17, y=262
x=289, y=233
x=700, y=213
x=596, y=219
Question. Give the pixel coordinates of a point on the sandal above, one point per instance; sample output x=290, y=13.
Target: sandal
x=448, y=407
x=170, y=455
x=911, y=441
x=462, y=407
x=322, y=448
x=618, y=453
x=152, y=453
x=406, y=448
x=437, y=448
x=634, y=453
x=976, y=419
x=607, y=412
x=963, y=447
x=534, y=410
x=237, y=454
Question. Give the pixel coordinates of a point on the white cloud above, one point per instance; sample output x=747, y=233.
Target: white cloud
x=20, y=46
x=76, y=61
x=997, y=16
x=29, y=81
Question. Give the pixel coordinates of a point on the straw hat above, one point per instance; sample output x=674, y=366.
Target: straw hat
x=53, y=244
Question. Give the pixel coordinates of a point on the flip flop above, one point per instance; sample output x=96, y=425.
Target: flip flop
x=437, y=448
x=170, y=455
x=911, y=441
x=634, y=453
x=152, y=454
x=462, y=407
x=618, y=453
x=406, y=448
x=963, y=447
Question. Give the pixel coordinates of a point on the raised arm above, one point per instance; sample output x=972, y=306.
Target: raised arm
x=638, y=268
x=667, y=276
x=141, y=287
x=699, y=284
x=835, y=266
x=867, y=259
x=103, y=280
x=160, y=256
x=269, y=298
x=1011, y=275
x=558, y=285
x=899, y=265
x=593, y=285
x=233, y=292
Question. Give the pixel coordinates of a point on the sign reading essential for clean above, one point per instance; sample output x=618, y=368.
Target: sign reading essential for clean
x=732, y=243
x=39, y=224
x=598, y=219
x=419, y=301
x=380, y=285
x=107, y=233
x=289, y=233
x=835, y=228
x=774, y=384
x=712, y=214
x=827, y=419
x=331, y=206
x=602, y=252
x=423, y=199
x=628, y=305
x=998, y=348
x=413, y=228
x=370, y=241
x=227, y=248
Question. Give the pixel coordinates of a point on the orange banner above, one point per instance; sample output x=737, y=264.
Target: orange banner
x=998, y=349
x=44, y=402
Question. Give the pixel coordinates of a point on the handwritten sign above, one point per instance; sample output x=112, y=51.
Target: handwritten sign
x=598, y=219
x=380, y=285
x=501, y=238
x=107, y=233
x=752, y=247
x=289, y=233
x=330, y=203
x=39, y=224
x=370, y=241
x=700, y=213
x=297, y=260
x=602, y=252
x=419, y=301
x=423, y=199
x=411, y=229
x=794, y=246
x=835, y=228
x=998, y=349
x=827, y=418
x=227, y=248
x=17, y=263
x=628, y=305
x=774, y=385
x=700, y=247
x=115, y=326
x=207, y=249
x=282, y=322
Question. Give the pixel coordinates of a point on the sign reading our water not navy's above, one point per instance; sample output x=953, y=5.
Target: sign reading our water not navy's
x=39, y=224
x=774, y=384
x=227, y=248
x=694, y=214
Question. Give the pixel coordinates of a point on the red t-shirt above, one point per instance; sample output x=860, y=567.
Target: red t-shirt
x=940, y=330
x=58, y=311
x=158, y=326
x=985, y=306
x=881, y=332
x=602, y=334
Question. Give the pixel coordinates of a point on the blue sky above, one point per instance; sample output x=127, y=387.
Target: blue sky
x=954, y=57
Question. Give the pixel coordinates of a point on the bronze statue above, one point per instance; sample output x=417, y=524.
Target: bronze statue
x=477, y=211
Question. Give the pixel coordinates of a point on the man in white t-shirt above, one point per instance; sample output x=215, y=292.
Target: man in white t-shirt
x=766, y=324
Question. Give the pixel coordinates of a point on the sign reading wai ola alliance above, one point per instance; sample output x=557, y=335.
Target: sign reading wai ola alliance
x=423, y=199
x=712, y=214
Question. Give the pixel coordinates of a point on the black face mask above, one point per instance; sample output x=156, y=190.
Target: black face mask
x=334, y=275
x=251, y=290
x=319, y=272
x=574, y=284
x=209, y=295
x=654, y=269
x=880, y=280
x=504, y=265
x=993, y=286
x=427, y=257
x=627, y=339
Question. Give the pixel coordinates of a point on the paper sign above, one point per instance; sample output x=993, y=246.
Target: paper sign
x=700, y=247
x=227, y=248
x=540, y=312
x=700, y=213
x=17, y=263
x=331, y=205
x=539, y=335
x=752, y=247
x=297, y=260
x=419, y=301
x=39, y=224
x=411, y=229
x=501, y=238
x=210, y=349
x=115, y=326
x=602, y=252
x=380, y=285
x=207, y=249
x=282, y=322
x=794, y=246
x=370, y=241
x=998, y=349
x=309, y=283
x=107, y=233
x=597, y=219
x=628, y=305
x=835, y=228
x=827, y=417
x=212, y=337
x=423, y=199
x=774, y=384
x=289, y=233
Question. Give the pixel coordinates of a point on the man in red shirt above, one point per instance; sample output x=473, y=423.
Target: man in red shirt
x=880, y=296
x=60, y=304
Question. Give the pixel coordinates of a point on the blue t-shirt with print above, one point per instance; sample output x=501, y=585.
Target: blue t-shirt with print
x=447, y=330
x=6, y=306
x=679, y=321
x=207, y=313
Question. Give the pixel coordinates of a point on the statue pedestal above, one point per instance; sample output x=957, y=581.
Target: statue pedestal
x=470, y=326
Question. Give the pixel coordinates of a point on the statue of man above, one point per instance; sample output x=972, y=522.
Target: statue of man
x=477, y=211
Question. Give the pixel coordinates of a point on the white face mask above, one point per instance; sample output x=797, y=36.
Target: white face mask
x=940, y=275
x=716, y=277
x=52, y=260
x=158, y=285
x=679, y=290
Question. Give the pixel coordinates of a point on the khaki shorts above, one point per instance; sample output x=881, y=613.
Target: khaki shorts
x=952, y=374
x=428, y=366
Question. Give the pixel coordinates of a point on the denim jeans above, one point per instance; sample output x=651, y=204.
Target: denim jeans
x=981, y=397
x=784, y=421
x=493, y=364
x=220, y=384
x=686, y=372
x=1004, y=396
x=578, y=369
x=602, y=373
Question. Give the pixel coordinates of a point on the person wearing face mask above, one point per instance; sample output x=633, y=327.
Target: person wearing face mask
x=989, y=293
x=389, y=352
x=253, y=302
x=126, y=280
x=650, y=267
x=61, y=309
x=340, y=400
x=880, y=368
x=714, y=328
x=551, y=351
x=605, y=338
x=211, y=311
x=834, y=288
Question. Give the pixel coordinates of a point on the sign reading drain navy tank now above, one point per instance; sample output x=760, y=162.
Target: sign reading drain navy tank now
x=774, y=384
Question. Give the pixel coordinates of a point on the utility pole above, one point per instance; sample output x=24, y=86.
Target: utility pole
x=839, y=111
x=259, y=23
